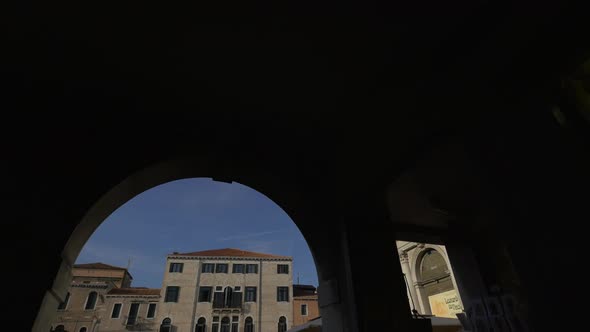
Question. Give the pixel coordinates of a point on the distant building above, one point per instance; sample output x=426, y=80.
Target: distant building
x=305, y=304
x=431, y=286
x=226, y=290
x=80, y=310
x=131, y=309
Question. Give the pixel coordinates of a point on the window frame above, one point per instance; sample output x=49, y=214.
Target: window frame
x=279, y=292
x=147, y=313
x=249, y=324
x=205, y=266
x=173, y=267
x=209, y=298
x=282, y=325
x=253, y=266
x=217, y=265
x=234, y=266
x=134, y=317
x=282, y=268
x=94, y=300
x=201, y=324
x=254, y=291
x=120, y=310
x=166, y=300
x=304, y=305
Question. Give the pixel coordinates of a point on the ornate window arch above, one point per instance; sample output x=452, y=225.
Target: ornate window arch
x=201, y=325
x=282, y=324
x=249, y=325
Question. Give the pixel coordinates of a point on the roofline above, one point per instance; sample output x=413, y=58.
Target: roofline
x=240, y=258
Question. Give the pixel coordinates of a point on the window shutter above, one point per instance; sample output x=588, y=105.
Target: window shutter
x=218, y=300
x=236, y=300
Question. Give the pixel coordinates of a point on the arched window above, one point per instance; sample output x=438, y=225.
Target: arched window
x=83, y=329
x=201, y=325
x=249, y=325
x=63, y=305
x=60, y=328
x=225, y=324
x=282, y=324
x=91, y=301
x=228, y=292
x=435, y=276
x=166, y=325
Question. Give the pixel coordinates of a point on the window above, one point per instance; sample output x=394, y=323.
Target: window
x=205, y=294
x=172, y=294
x=83, y=329
x=227, y=299
x=221, y=268
x=207, y=268
x=237, y=288
x=249, y=326
x=283, y=294
x=64, y=304
x=132, y=317
x=218, y=288
x=238, y=268
x=201, y=325
x=90, y=301
x=228, y=294
x=234, y=327
x=116, y=313
x=225, y=324
x=60, y=328
x=176, y=267
x=250, y=294
x=151, y=311
x=304, y=310
x=215, y=326
x=166, y=325
x=282, y=324
x=282, y=268
x=235, y=318
x=251, y=268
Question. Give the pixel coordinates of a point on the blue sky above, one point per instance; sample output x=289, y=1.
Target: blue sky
x=193, y=215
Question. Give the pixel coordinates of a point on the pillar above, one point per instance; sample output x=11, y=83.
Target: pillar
x=405, y=264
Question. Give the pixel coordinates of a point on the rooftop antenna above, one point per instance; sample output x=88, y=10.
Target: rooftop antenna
x=298, y=278
x=128, y=263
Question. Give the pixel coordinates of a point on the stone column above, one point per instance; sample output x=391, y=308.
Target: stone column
x=423, y=299
x=405, y=263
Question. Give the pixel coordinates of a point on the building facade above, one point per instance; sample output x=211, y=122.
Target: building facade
x=130, y=309
x=305, y=304
x=86, y=301
x=431, y=286
x=226, y=290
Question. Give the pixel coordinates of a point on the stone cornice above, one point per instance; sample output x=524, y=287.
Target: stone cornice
x=133, y=296
x=230, y=258
x=98, y=286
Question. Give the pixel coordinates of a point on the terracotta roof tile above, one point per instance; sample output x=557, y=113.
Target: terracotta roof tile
x=134, y=291
x=100, y=266
x=229, y=252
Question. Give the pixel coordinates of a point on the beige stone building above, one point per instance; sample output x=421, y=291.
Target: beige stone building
x=226, y=290
x=82, y=308
x=101, y=298
x=431, y=286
